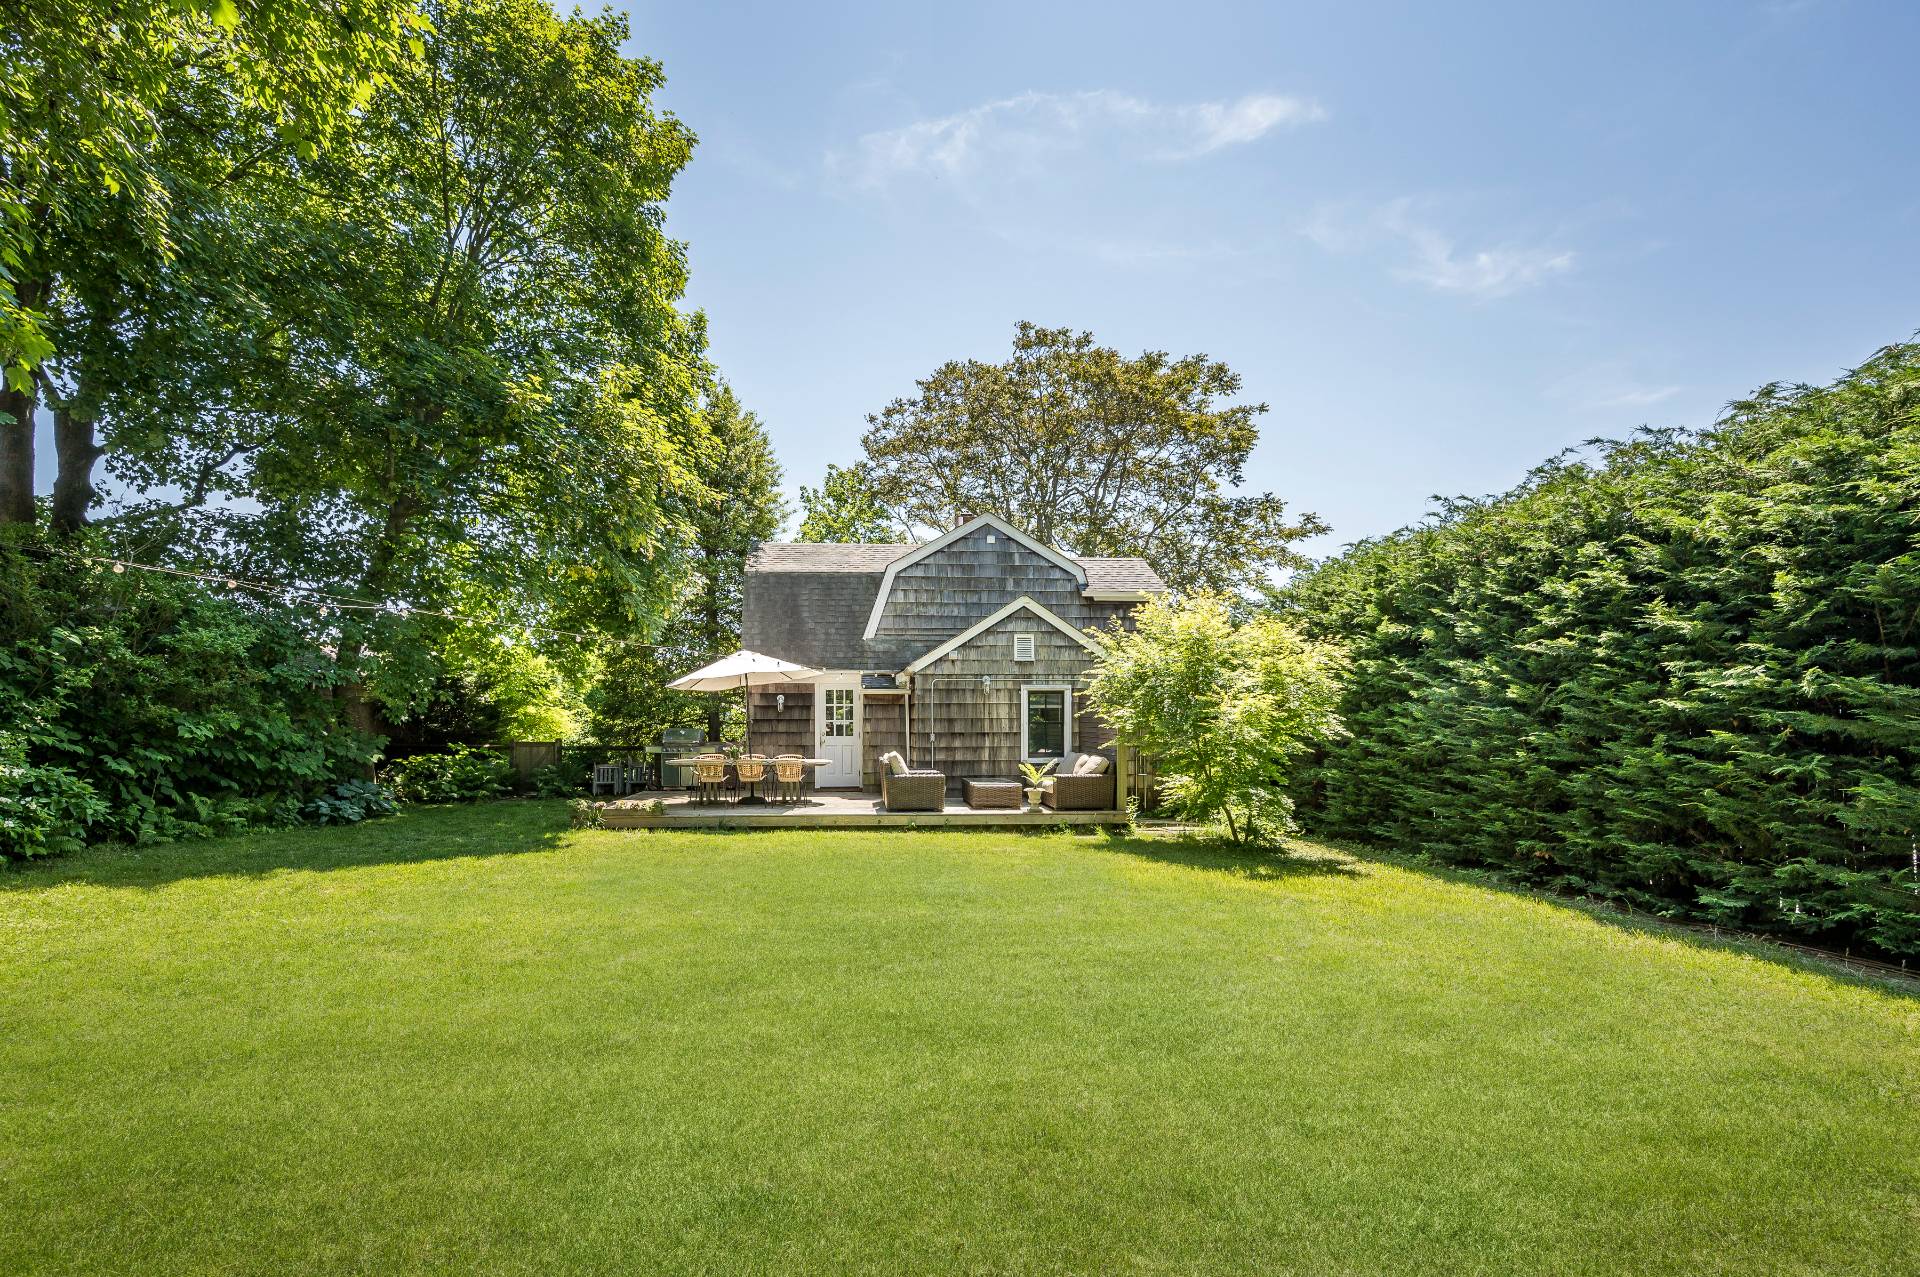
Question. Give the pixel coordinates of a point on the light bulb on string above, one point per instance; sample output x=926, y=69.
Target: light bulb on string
x=343, y=607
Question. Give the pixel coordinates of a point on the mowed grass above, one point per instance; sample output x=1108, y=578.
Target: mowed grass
x=467, y=1041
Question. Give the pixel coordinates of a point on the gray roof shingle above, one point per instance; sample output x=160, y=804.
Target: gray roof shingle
x=800, y=556
x=1122, y=574
x=795, y=556
x=809, y=603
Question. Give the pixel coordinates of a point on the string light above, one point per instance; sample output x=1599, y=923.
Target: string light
x=340, y=604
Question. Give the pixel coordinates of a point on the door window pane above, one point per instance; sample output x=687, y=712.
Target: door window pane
x=839, y=719
x=1046, y=724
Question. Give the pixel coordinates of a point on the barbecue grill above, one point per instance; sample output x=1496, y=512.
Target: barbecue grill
x=679, y=742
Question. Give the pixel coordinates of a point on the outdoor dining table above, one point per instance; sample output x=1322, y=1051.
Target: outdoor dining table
x=811, y=764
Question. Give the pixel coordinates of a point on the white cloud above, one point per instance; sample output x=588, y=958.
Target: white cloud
x=1638, y=396
x=1434, y=258
x=1248, y=120
x=1032, y=129
x=1490, y=272
x=1608, y=386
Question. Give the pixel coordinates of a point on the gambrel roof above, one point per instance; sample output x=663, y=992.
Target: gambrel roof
x=1104, y=575
x=822, y=604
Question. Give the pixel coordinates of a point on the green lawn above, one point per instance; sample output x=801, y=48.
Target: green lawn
x=468, y=1041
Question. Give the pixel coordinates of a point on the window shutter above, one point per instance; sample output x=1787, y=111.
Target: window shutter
x=1023, y=647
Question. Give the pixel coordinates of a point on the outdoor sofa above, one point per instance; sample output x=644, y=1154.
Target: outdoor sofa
x=1088, y=787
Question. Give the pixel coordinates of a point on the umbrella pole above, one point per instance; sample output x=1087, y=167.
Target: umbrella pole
x=746, y=706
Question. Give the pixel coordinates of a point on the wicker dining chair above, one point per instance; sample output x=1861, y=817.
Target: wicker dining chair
x=790, y=773
x=752, y=769
x=709, y=776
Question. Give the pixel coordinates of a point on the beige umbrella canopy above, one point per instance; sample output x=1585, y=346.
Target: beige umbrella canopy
x=741, y=671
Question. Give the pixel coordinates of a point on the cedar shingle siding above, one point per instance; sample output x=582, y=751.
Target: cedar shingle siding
x=811, y=604
x=971, y=727
x=944, y=593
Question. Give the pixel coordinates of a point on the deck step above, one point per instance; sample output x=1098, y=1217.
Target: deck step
x=828, y=811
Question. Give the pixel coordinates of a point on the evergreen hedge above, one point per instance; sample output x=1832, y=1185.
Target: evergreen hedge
x=1679, y=671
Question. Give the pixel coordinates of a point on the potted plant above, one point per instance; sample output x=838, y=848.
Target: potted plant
x=1035, y=775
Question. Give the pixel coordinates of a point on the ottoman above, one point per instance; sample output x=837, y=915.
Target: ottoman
x=1001, y=795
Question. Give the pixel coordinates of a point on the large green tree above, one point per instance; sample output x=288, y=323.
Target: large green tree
x=159, y=350
x=86, y=193
x=472, y=387
x=745, y=508
x=846, y=508
x=1090, y=450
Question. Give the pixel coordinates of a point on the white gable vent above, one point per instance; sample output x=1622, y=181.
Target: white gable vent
x=1023, y=647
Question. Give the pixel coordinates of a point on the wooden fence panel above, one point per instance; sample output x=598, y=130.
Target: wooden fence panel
x=529, y=756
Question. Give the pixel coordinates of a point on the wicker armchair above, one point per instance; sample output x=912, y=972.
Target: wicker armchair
x=915, y=791
x=790, y=773
x=709, y=776
x=752, y=771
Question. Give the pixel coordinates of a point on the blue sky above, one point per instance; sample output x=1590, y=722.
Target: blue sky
x=1441, y=241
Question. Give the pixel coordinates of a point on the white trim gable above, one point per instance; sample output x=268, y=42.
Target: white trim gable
x=980, y=627
x=946, y=539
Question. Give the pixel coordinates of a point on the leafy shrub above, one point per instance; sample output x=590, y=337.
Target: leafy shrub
x=146, y=708
x=350, y=802
x=465, y=773
x=1227, y=711
x=1684, y=674
x=43, y=810
x=464, y=684
x=557, y=780
x=583, y=813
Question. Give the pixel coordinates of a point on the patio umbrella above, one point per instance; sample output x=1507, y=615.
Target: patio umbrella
x=743, y=670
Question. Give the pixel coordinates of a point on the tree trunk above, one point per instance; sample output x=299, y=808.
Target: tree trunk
x=353, y=693
x=75, y=449
x=16, y=436
x=16, y=456
x=375, y=585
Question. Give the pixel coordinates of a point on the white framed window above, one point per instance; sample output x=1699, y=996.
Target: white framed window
x=1023, y=647
x=1046, y=723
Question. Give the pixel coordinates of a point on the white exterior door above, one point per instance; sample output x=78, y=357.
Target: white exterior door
x=836, y=717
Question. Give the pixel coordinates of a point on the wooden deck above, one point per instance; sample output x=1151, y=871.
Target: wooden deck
x=826, y=809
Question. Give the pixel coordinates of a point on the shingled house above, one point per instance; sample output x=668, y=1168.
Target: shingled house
x=965, y=653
